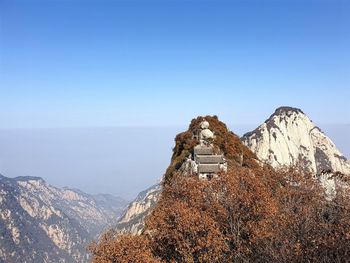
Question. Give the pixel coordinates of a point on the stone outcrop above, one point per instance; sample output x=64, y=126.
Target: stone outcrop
x=289, y=137
x=132, y=221
x=203, y=163
x=43, y=223
x=206, y=134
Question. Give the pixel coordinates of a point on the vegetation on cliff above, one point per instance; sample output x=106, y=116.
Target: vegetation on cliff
x=252, y=213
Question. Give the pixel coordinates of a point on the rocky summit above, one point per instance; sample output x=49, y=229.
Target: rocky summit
x=205, y=149
x=289, y=137
x=43, y=223
x=248, y=211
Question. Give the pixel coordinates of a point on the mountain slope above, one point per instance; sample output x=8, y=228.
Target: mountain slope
x=289, y=137
x=133, y=218
x=42, y=223
x=225, y=141
x=249, y=212
x=286, y=138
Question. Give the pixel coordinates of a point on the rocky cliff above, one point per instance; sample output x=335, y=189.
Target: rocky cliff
x=223, y=142
x=133, y=218
x=288, y=137
x=42, y=223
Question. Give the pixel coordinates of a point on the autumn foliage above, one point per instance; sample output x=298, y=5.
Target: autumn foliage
x=252, y=213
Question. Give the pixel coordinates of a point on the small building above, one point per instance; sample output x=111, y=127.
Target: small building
x=208, y=168
x=209, y=159
x=208, y=163
x=203, y=150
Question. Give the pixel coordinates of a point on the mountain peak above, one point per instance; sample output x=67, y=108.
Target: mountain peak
x=29, y=178
x=286, y=113
x=289, y=137
x=221, y=142
x=286, y=109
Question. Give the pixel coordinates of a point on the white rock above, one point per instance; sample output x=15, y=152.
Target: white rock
x=289, y=137
x=133, y=219
x=206, y=134
x=204, y=125
x=202, y=176
x=69, y=218
x=328, y=183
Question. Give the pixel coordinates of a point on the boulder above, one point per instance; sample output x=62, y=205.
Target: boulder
x=206, y=134
x=204, y=125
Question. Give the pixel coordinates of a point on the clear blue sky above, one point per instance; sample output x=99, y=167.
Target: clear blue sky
x=105, y=63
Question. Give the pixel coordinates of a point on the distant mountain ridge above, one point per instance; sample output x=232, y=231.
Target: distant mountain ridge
x=42, y=223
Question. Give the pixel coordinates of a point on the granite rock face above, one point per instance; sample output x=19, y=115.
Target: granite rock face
x=43, y=223
x=132, y=221
x=206, y=134
x=289, y=137
x=204, y=125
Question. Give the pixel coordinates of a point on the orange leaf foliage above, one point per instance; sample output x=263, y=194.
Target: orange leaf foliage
x=249, y=214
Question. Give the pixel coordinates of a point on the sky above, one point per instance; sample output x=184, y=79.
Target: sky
x=159, y=63
x=87, y=88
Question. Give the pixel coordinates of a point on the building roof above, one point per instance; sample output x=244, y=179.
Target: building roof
x=209, y=159
x=203, y=150
x=208, y=168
